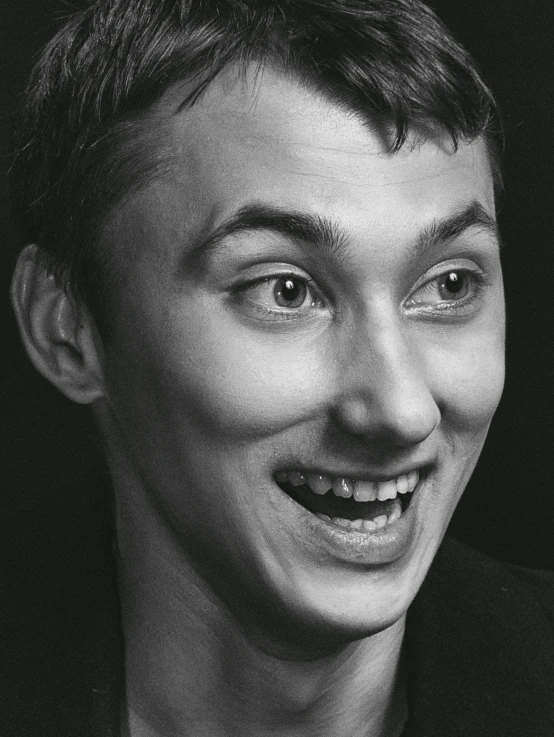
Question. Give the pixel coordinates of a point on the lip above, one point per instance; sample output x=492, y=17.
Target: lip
x=369, y=547
x=423, y=468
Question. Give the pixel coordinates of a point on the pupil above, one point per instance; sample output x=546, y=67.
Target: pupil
x=453, y=282
x=290, y=292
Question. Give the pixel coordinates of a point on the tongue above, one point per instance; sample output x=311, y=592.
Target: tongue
x=335, y=506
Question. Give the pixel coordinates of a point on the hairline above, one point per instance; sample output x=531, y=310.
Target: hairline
x=114, y=147
x=156, y=163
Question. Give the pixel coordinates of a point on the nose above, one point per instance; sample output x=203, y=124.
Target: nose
x=384, y=392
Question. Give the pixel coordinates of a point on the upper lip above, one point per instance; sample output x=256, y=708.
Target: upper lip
x=359, y=476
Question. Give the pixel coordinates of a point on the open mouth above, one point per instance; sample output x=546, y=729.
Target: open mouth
x=348, y=503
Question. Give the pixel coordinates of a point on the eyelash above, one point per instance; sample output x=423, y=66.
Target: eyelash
x=477, y=282
x=282, y=313
x=477, y=279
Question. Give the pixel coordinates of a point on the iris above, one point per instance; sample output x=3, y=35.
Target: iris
x=454, y=283
x=290, y=292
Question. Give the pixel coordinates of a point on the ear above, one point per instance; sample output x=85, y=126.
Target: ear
x=59, y=334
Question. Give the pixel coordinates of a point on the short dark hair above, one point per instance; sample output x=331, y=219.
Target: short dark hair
x=81, y=148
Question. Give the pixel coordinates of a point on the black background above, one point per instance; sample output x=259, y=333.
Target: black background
x=508, y=509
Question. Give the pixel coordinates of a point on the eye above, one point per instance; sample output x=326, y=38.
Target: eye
x=284, y=296
x=287, y=292
x=455, y=289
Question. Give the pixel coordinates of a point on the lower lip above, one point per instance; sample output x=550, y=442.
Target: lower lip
x=365, y=547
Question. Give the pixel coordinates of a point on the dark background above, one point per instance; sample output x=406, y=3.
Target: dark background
x=50, y=454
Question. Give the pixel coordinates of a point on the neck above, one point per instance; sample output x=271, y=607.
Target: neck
x=192, y=670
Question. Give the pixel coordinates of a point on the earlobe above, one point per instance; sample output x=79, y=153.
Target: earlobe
x=59, y=334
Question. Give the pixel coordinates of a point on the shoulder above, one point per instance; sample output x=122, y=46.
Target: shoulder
x=494, y=584
x=539, y=584
x=491, y=591
x=481, y=632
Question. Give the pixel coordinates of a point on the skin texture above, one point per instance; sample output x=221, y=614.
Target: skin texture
x=232, y=594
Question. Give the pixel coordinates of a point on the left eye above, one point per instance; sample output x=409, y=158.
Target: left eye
x=456, y=285
x=285, y=292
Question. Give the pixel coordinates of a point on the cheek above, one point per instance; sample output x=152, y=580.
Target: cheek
x=468, y=378
x=236, y=381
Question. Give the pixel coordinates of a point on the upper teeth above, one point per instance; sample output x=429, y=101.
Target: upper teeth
x=362, y=491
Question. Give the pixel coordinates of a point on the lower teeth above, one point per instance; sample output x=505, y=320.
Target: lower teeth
x=366, y=525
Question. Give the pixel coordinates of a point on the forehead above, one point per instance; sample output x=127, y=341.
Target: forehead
x=268, y=139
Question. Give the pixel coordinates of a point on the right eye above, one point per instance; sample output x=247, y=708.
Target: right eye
x=286, y=291
x=282, y=296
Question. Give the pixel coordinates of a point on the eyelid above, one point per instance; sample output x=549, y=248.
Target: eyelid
x=443, y=269
x=240, y=289
x=274, y=271
x=444, y=307
x=259, y=272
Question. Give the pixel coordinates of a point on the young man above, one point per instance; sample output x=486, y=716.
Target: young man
x=265, y=254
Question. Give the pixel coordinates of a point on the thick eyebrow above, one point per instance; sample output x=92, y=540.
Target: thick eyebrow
x=324, y=234
x=314, y=231
x=440, y=232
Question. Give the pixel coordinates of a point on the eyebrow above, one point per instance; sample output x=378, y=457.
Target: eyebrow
x=314, y=231
x=440, y=232
x=324, y=234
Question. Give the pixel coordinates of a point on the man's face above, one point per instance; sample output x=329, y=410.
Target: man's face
x=344, y=328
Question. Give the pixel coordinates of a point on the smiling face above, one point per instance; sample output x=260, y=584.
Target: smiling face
x=300, y=309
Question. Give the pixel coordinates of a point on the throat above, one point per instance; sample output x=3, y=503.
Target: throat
x=360, y=690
